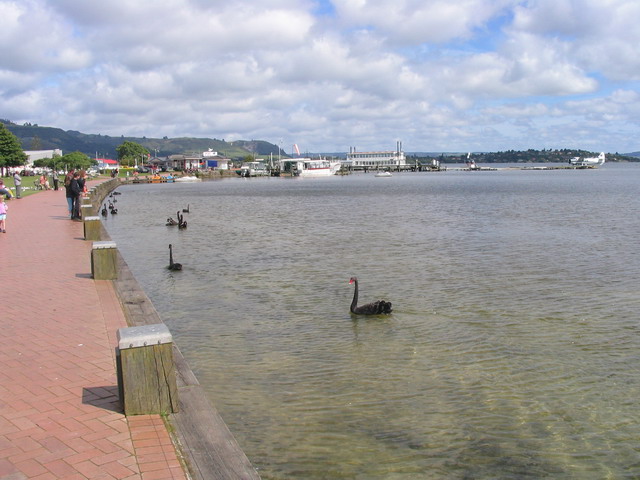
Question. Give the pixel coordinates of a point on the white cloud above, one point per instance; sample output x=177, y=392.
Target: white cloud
x=601, y=35
x=474, y=74
x=34, y=41
x=413, y=22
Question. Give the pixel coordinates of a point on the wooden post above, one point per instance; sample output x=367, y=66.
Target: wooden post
x=146, y=372
x=91, y=228
x=103, y=261
x=86, y=210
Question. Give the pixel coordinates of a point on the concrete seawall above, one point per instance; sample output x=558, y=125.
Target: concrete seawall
x=208, y=447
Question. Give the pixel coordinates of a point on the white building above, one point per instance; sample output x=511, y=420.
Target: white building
x=212, y=159
x=33, y=155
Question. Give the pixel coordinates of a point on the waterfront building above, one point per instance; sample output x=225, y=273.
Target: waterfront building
x=33, y=155
x=392, y=159
x=204, y=160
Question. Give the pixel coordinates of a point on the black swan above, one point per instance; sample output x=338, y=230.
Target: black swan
x=104, y=210
x=173, y=266
x=373, y=308
x=186, y=210
x=181, y=223
x=171, y=222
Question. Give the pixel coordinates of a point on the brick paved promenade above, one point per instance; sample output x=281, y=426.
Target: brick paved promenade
x=59, y=413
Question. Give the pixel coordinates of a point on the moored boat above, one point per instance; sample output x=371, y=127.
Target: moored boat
x=308, y=167
x=188, y=178
x=253, y=169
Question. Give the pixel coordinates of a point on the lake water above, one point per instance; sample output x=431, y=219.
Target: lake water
x=513, y=350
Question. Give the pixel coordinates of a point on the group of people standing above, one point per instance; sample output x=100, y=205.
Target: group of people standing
x=75, y=185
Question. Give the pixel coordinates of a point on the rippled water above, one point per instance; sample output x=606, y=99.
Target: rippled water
x=512, y=352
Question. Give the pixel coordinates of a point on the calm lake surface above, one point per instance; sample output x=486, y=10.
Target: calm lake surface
x=513, y=350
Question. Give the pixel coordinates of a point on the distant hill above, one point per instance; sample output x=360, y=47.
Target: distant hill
x=34, y=137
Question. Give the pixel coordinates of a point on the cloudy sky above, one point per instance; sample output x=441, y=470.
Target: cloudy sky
x=438, y=75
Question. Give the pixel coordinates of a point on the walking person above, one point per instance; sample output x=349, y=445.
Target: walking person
x=3, y=216
x=17, y=181
x=54, y=177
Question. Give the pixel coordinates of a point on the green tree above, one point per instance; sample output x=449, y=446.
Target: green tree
x=77, y=160
x=11, y=154
x=130, y=152
x=43, y=162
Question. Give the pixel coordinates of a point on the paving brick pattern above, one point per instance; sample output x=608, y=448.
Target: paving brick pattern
x=60, y=417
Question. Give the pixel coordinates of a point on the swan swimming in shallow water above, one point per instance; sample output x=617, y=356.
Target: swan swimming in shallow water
x=374, y=308
x=172, y=265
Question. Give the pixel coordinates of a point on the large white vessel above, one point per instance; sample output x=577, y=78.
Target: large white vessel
x=309, y=167
x=392, y=159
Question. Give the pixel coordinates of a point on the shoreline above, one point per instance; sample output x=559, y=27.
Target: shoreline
x=207, y=446
x=61, y=415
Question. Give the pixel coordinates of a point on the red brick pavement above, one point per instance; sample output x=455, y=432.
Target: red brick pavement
x=59, y=413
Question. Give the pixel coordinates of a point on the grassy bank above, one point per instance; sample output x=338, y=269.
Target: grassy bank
x=28, y=184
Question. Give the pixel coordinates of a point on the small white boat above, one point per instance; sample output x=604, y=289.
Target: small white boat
x=385, y=173
x=187, y=179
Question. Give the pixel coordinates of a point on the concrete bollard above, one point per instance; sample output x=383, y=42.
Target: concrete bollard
x=103, y=261
x=146, y=372
x=91, y=228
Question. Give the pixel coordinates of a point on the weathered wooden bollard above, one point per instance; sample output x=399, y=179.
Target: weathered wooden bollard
x=103, y=261
x=146, y=372
x=91, y=228
x=86, y=210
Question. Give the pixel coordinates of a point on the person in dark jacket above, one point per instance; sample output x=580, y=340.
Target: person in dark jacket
x=75, y=190
x=67, y=187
